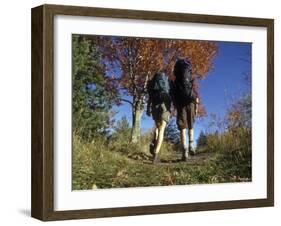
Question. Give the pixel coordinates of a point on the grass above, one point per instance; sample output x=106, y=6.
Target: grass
x=116, y=164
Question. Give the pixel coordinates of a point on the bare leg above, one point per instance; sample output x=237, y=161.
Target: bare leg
x=156, y=132
x=183, y=137
x=160, y=137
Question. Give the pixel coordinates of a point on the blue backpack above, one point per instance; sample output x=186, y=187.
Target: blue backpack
x=159, y=89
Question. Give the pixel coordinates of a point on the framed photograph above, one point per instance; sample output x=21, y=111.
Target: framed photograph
x=142, y=112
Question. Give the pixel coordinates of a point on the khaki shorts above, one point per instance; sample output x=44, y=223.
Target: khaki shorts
x=160, y=113
x=186, y=116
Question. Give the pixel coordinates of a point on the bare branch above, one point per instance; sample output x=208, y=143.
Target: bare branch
x=127, y=101
x=146, y=81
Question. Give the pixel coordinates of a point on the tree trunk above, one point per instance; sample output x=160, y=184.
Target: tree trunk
x=136, y=124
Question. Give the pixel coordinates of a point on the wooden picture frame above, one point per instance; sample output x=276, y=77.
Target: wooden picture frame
x=42, y=203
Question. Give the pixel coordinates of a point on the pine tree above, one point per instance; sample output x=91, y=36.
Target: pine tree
x=91, y=100
x=202, y=139
x=122, y=125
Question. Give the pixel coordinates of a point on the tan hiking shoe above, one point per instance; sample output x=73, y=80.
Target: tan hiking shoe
x=156, y=159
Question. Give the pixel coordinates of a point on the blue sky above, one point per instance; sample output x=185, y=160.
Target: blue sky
x=221, y=86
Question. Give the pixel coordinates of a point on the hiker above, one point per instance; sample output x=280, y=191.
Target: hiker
x=158, y=105
x=186, y=101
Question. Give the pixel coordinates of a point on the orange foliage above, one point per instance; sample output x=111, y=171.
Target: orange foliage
x=140, y=58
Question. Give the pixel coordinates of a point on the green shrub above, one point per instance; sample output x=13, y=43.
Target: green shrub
x=233, y=153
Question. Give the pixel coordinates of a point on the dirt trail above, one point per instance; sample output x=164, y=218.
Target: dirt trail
x=197, y=159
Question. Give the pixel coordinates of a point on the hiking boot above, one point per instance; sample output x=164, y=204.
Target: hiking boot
x=191, y=149
x=184, y=154
x=156, y=159
x=152, y=149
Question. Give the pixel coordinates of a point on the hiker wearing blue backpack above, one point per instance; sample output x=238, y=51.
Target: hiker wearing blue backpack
x=186, y=101
x=159, y=106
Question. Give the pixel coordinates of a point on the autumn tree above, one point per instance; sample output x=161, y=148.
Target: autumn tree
x=133, y=61
x=240, y=112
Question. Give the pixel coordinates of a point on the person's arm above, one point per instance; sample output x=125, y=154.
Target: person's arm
x=195, y=95
x=196, y=105
x=148, y=107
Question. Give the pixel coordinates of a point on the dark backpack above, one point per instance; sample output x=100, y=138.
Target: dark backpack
x=184, y=81
x=159, y=89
